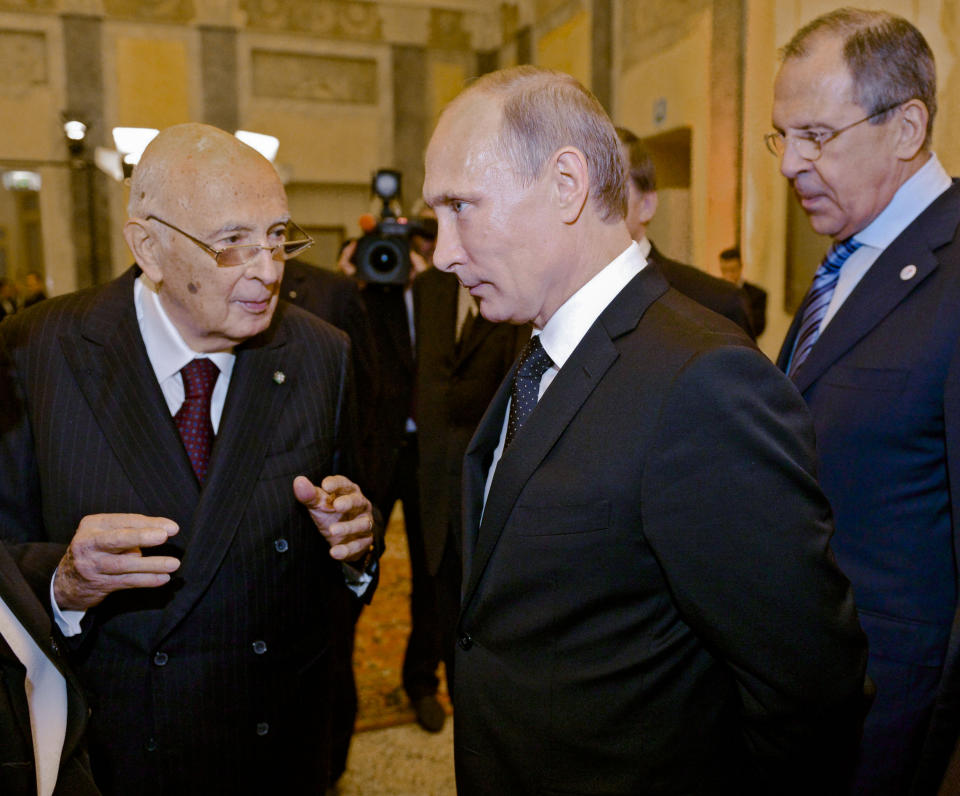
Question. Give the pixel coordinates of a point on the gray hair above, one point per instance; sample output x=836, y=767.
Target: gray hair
x=544, y=110
x=889, y=59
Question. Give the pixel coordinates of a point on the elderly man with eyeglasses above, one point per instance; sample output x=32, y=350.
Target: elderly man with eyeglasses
x=180, y=434
x=875, y=351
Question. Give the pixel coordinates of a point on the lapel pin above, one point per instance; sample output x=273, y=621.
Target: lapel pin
x=908, y=272
x=279, y=377
x=293, y=294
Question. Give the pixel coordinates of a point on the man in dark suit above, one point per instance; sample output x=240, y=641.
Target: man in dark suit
x=713, y=293
x=392, y=314
x=461, y=360
x=41, y=726
x=177, y=428
x=633, y=619
x=336, y=299
x=874, y=351
x=731, y=269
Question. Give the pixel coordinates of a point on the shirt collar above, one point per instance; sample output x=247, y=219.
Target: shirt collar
x=166, y=349
x=910, y=200
x=568, y=325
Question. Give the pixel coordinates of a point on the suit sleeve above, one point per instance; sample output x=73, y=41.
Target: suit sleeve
x=748, y=563
x=20, y=515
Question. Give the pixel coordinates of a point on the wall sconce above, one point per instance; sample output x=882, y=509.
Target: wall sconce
x=75, y=132
x=21, y=180
x=266, y=145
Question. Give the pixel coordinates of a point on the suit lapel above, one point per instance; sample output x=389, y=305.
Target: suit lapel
x=253, y=407
x=28, y=609
x=577, y=379
x=110, y=365
x=883, y=287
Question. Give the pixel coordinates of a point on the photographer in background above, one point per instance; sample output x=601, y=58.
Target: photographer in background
x=385, y=261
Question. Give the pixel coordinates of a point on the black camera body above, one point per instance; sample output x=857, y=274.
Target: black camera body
x=383, y=254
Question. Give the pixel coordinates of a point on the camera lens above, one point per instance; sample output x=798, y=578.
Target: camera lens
x=383, y=257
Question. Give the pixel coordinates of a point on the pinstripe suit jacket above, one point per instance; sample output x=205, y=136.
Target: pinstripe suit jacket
x=217, y=682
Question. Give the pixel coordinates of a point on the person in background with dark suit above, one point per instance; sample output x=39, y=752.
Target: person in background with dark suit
x=461, y=360
x=8, y=297
x=713, y=293
x=875, y=352
x=43, y=712
x=634, y=619
x=181, y=431
x=336, y=299
x=35, y=291
x=397, y=474
x=731, y=269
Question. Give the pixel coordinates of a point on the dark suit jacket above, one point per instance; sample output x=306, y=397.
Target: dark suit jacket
x=635, y=620
x=17, y=767
x=883, y=386
x=387, y=310
x=215, y=683
x=455, y=382
x=336, y=299
x=757, y=299
x=721, y=296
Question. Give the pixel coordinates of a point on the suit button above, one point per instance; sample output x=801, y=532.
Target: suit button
x=54, y=646
x=281, y=546
x=259, y=647
x=262, y=728
x=150, y=745
x=465, y=641
x=161, y=658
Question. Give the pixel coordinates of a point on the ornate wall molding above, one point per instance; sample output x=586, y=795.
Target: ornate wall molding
x=23, y=61
x=314, y=78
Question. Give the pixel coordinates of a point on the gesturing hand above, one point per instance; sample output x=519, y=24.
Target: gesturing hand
x=341, y=513
x=104, y=556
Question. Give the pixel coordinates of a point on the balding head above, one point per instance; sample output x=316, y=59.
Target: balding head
x=185, y=162
x=196, y=191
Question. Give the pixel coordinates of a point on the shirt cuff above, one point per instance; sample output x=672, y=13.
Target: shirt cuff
x=358, y=582
x=67, y=621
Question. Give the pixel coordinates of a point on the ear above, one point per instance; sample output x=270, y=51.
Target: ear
x=911, y=128
x=648, y=207
x=572, y=182
x=144, y=245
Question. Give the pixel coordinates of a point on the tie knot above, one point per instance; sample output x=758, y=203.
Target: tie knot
x=199, y=376
x=534, y=361
x=839, y=253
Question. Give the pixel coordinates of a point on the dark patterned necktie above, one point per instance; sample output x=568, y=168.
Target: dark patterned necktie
x=193, y=417
x=818, y=299
x=534, y=362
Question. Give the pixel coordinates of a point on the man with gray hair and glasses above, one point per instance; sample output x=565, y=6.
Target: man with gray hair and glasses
x=181, y=432
x=874, y=351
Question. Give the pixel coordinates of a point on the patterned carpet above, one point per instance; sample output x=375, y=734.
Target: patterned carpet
x=381, y=640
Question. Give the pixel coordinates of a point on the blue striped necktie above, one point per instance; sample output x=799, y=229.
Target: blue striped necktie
x=818, y=299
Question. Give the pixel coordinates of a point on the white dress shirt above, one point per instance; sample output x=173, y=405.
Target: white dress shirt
x=46, y=698
x=910, y=200
x=570, y=323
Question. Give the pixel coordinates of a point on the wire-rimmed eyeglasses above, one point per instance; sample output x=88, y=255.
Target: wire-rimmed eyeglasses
x=241, y=254
x=809, y=144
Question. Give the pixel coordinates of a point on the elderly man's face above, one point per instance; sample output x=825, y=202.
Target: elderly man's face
x=493, y=232
x=857, y=173
x=213, y=307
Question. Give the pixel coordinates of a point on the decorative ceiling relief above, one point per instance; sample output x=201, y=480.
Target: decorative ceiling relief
x=314, y=78
x=329, y=18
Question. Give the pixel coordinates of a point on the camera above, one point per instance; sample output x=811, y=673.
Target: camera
x=383, y=254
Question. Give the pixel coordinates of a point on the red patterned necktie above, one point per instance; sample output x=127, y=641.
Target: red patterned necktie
x=193, y=417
